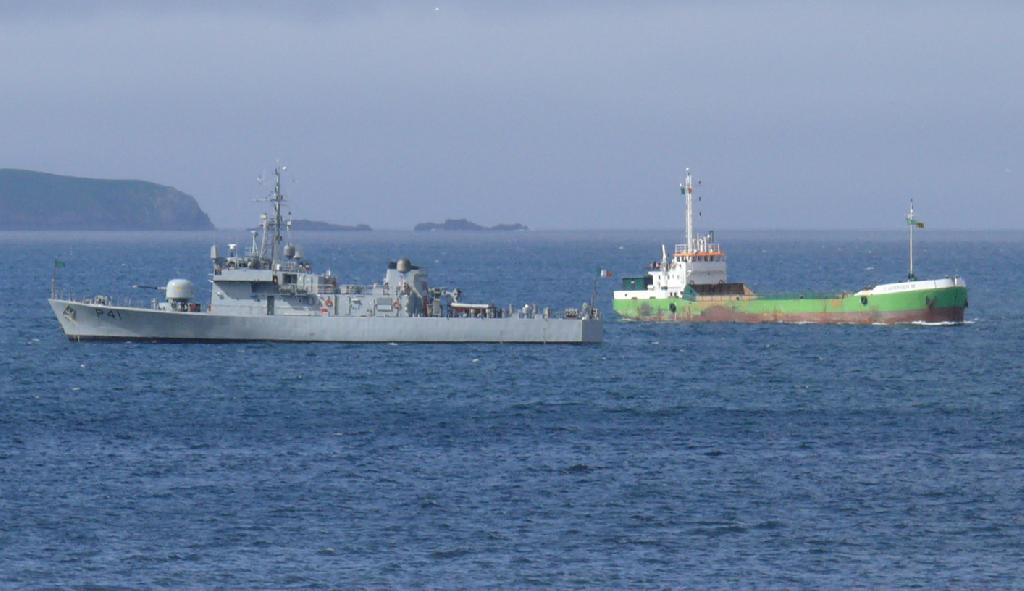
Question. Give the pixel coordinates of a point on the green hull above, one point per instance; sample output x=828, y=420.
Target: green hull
x=943, y=304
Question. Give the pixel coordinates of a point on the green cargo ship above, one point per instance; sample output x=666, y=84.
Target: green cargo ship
x=691, y=286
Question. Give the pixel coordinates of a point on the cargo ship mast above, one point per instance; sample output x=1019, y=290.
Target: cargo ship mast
x=698, y=261
x=913, y=223
x=687, y=190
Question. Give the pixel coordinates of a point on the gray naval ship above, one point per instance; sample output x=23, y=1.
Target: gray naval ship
x=272, y=294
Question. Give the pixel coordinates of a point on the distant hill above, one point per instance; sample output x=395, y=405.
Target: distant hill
x=314, y=226
x=40, y=201
x=464, y=224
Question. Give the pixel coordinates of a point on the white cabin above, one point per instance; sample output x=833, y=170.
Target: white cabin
x=698, y=261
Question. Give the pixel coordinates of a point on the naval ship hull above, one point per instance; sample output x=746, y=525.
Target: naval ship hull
x=929, y=302
x=98, y=322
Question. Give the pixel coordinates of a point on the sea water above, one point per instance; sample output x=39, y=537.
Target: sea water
x=670, y=456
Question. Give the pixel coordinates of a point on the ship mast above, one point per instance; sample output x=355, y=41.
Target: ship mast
x=912, y=222
x=277, y=198
x=687, y=190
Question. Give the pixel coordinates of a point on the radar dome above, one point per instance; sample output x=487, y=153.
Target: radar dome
x=179, y=290
x=289, y=251
x=403, y=265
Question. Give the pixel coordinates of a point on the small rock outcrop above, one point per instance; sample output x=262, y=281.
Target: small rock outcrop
x=463, y=224
x=315, y=226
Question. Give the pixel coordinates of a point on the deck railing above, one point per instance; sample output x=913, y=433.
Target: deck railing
x=711, y=247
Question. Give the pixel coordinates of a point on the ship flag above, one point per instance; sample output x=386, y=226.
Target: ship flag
x=911, y=220
x=604, y=273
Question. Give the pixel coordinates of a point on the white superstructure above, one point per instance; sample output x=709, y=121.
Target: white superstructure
x=699, y=260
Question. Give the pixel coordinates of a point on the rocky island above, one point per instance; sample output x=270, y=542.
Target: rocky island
x=463, y=224
x=40, y=201
x=315, y=226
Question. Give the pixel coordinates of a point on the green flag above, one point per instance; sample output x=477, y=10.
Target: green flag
x=58, y=264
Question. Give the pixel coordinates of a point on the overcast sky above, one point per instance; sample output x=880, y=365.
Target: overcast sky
x=557, y=115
